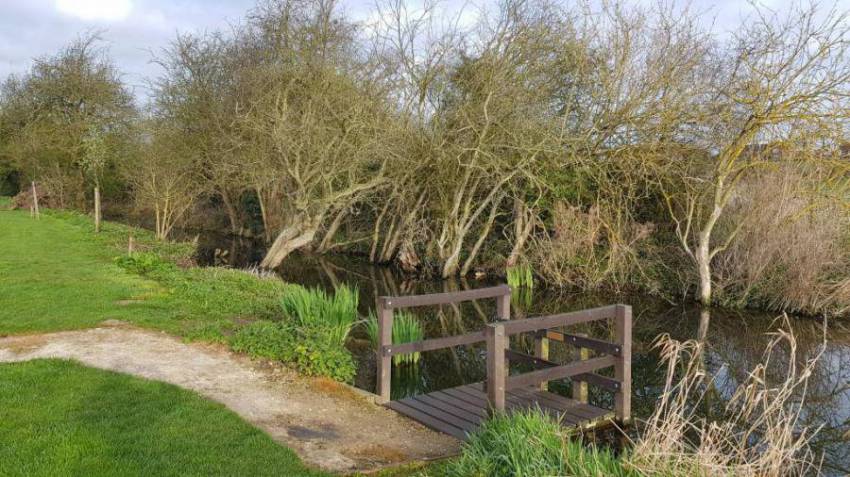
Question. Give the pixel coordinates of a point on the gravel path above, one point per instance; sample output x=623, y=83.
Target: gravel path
x=331, y=426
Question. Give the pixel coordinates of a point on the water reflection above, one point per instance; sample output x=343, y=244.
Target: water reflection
x=734, y=342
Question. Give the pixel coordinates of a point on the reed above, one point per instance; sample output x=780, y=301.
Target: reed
x=331, y=315
x=406, y=329
x=761, y=433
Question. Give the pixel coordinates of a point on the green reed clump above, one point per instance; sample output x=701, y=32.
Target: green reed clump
x=530, y=444
x=520, y=276
x=314, y=310
x=406, y=329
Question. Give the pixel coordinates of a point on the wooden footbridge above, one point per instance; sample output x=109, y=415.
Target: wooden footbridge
x=459, y=411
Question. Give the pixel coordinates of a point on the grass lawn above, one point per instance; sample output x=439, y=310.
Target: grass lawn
x=60, y=418
x=57, y=274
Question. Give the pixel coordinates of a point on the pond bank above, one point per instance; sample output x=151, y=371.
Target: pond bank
x=326, y=423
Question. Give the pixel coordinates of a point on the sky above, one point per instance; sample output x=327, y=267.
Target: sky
x=135, y=30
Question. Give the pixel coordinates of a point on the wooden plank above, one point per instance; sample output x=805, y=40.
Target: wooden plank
x=563, y=319
x=543, y=398
x=440, y=414
x=458, y=412
x=451, y=400
x=537, y=363
x=434, y=344
x=444, y=298
x=534, y=378
x=427, y=420
x=496, y=369
x=600, y=346
x=597, y=380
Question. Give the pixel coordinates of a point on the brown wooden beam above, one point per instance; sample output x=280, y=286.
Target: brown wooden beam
x=538, y=363
x=434, y=344
x=534, y=378
x=597, y=380
x=443, y=298
x=563, y=319
x=600, y=346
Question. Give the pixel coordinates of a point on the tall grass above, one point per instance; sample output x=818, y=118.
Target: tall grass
x=761, y=434
x=531, y=444
x=520, y=276
x=406, y=329
x=331, y=315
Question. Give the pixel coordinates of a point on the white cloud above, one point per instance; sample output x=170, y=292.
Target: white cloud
x=89, y=10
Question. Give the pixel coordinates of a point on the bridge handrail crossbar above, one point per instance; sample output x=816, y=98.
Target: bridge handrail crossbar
x=386, y=305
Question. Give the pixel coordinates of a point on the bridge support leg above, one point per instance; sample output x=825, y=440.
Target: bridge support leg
x=496, y=369
x=385, y=364
x=580, y=387
x=541, y=350
x=623, y=367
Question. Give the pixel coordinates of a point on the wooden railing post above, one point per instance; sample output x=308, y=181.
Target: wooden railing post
x=623, y=366
x=503, y=313
x=580, y=387
x=496, y=369
x=385, y=338
x=541, y=350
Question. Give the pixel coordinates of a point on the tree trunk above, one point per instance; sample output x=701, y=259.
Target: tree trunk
x=96, y=209
x=232, y=215
x=288, y=240
x=703, y=259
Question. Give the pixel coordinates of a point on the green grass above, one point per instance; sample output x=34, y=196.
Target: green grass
x=57, y=274
x=530, y=444
x=60, y=418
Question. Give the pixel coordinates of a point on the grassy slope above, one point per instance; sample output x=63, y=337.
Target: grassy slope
x=52, y=278
x=60, y=418
x=56, y=274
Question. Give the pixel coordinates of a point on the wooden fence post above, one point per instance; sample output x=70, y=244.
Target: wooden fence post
x=580, y=387
x=96, y=209
x=385, y=338
x=623, y=367
x=496, y=369
x=541, y=350
x=35, y=201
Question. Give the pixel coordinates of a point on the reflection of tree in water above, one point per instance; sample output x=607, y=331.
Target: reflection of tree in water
x=735, y=343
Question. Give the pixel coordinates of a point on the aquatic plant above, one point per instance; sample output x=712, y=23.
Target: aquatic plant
x=520, y=276
x=314, y=310
x=761, y=433
x=406, y=329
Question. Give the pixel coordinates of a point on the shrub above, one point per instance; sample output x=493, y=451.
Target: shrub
x=530, y=444
x=144, y=263
x=311, y=353
x=406, y=329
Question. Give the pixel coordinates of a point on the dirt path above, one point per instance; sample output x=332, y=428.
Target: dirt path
x=329, y=425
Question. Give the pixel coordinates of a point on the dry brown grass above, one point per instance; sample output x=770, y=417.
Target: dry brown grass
x=791, y=252
x=762, y=433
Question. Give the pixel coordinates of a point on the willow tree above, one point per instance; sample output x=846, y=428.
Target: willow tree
x=783, y=80
x=314, y=124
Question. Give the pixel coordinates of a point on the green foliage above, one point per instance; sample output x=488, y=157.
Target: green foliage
x=312, y=309
x=144, y=263
x=406, y=329
x=311, y=353
x=530, y=444
x=60, y=418
x=520, y=276
x=5, y=202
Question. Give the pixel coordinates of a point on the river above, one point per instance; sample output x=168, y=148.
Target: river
x=734, y=340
